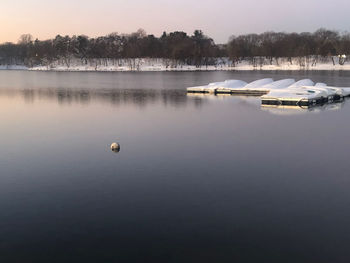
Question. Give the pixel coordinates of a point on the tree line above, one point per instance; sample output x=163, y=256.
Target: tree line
x=196, y=49
x=322, y=43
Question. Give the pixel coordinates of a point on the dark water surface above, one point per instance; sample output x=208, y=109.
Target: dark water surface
x=198, y=178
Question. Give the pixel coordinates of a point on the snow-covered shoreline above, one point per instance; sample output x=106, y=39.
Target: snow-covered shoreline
x=160, y=65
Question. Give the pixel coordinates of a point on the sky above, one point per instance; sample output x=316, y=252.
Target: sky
x=218, y=19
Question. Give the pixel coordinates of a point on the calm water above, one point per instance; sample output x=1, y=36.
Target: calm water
x=198, y=178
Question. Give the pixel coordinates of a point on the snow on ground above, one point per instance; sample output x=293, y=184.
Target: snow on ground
x=147, y=64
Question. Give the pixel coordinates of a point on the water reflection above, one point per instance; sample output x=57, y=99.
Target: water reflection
x=297, y=110
x=140, y=97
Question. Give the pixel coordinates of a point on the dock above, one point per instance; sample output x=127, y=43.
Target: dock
x=285, y=92
x=237, y=87
x=293, y=101
x=305, y=96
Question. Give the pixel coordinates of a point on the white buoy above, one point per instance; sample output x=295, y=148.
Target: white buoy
x=115, y=147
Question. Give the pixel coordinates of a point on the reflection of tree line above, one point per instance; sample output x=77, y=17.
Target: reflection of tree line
x=113, y=96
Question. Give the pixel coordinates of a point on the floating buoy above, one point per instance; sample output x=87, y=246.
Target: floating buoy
x=115, y=147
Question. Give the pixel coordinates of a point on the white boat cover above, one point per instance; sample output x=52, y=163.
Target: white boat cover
x=279, y=84
x=302, y=93
x=257, y=83
x=302, y=82
x=231, y=84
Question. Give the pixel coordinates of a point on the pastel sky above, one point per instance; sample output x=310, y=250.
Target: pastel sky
x=219, y=19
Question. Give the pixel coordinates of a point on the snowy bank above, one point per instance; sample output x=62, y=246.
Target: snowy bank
x=160, y=64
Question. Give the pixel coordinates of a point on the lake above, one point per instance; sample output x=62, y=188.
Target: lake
x=198, y=178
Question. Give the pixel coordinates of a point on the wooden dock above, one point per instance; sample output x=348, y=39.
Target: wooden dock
x=302, y=102
x=230, y=92
x=285, y=92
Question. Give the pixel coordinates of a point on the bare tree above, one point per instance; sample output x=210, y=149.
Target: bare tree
x=25, y=39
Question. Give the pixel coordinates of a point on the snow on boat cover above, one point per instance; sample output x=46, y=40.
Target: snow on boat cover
x=282, y=92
